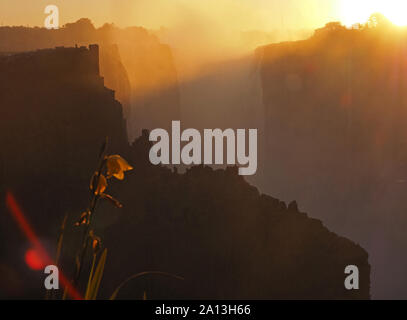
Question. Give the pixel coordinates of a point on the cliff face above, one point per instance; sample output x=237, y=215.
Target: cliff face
x=210, y=227
x=155, y=95
x=227, y=240
x=335, y=109
x=55, y=111
x=116, y=77
x=134, y=64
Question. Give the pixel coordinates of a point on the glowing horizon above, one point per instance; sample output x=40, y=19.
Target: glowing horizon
x=359, y=11
x=216, y=23
x=243, y=15
x=265, y=15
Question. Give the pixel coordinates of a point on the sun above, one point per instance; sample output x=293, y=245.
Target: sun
x=359, y=11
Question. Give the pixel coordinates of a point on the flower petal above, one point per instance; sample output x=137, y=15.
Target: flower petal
x=119, y=175
x=101, y=185
x=116, y=166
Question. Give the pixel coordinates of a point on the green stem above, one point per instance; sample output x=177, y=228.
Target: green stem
x=85, y=242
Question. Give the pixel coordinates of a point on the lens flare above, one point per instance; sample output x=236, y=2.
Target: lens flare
x=39, y=254
x=34, y=260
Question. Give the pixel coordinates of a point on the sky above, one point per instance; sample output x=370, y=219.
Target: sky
x=242, y=15
x=236, y=14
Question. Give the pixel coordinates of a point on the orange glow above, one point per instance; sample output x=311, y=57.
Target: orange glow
x=39, y=255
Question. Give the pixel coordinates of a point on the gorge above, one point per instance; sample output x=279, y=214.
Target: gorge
x=57, y=119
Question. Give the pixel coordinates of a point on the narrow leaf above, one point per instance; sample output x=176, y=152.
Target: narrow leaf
x=90, y=278
x=97, y=277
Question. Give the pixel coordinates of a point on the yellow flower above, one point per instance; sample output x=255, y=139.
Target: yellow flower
x=101, y=185
x=116, y=166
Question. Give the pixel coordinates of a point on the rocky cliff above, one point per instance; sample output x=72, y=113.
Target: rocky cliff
x=133, y=62
x=335, y=110
x=211, y=227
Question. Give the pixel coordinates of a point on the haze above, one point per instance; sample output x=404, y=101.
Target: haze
x=240, y=14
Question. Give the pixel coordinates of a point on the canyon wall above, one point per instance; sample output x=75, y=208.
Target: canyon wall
x=220, y=233
x=133, y=62
x=335, y=109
